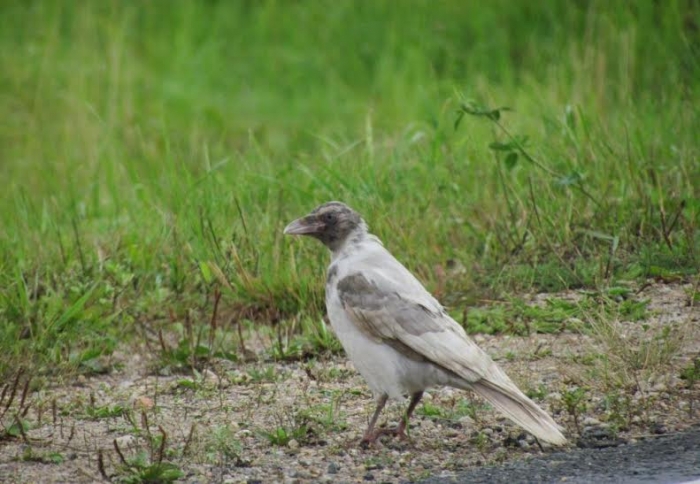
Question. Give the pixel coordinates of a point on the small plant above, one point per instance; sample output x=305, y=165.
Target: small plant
x=481, y=442
x=468, y=408
x=538, y=393
x=430, y=410
x=575, y=404
x=14, y=406
x=222, y=447
x=327, y=415
x=619, y=408
x=320, y=338
x=293, y=424
x=197, y=345
x=145, y=465
x=267, y=374
x=281, y=436
x=691, y=375
x=96, y=412
x=140, y=470
x=31, y=455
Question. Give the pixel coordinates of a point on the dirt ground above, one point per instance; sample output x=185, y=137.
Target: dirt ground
x=302, y=421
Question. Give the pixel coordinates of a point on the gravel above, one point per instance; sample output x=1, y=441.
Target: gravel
x=220, y=425
x=664, y=460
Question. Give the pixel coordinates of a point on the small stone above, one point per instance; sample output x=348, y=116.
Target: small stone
x=467, y=421
x=554, y=396
x=659, y=387
x=590, y=421
x=125, y=441
x=144, y=403
x=523, y=444
x=209, y=376
x=293, y=444
x=369, y=477
x=333, y=468
x=487, y=431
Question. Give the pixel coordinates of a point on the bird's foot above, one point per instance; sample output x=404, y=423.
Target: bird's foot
x=372, y=438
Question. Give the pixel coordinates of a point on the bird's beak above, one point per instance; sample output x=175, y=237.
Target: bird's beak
x=303, y=226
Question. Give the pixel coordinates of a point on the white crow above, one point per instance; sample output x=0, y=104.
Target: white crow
x=397, y=335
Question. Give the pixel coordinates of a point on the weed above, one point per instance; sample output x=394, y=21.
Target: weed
x=552, y=316
x=538, y=393
x=222, y=447
x=327, y=415
x=282, y=435
x=31, y=455
x=14, y=406
x=691, y=375
x=320, y=338
x=430, y=410
x=574, y=400
x=267, y=374
x=147, y=463
x=104, y=411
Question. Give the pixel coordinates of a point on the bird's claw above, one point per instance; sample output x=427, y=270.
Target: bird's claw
x=373, y=437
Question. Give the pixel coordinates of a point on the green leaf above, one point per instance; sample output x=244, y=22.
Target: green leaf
x=206, y=272
x=498, y=146
x=568, y=180
x=599, y=235
x=475, y=110
x=460, y=116
x=570, y=117
x=511, y=160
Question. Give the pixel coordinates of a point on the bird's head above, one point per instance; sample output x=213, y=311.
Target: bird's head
x=331, y=223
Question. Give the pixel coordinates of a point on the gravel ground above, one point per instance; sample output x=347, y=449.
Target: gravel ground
x=266, y=421
x=664, y=460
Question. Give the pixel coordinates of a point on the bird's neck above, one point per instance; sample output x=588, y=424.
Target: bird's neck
x=354, y=242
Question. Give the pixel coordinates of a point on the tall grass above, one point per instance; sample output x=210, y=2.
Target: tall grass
x=152, y=151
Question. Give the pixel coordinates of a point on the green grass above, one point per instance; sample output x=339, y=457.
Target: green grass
x=152, y=153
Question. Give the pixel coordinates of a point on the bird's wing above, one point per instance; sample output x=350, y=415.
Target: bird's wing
x=411, y=321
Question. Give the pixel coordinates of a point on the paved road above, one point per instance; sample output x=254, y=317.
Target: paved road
x=669, y=459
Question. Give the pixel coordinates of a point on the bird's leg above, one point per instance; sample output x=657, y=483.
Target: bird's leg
x=401, y=429
x=371, y=436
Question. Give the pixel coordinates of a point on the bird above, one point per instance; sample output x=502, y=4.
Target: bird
x=398, y=336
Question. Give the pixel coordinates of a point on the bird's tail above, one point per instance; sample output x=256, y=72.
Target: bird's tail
x=520, y=409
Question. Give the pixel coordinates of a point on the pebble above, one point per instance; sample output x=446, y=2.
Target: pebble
x=659, y=387
x=144, y=403
x=590, y=421
x=467, y=421
x=333, y=468
x=293, y=444
x=126, y=441
x=209, y=376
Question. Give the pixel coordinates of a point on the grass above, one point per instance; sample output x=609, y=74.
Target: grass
x=152, y=154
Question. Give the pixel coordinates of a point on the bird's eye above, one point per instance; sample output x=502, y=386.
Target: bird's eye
x=329, y=217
